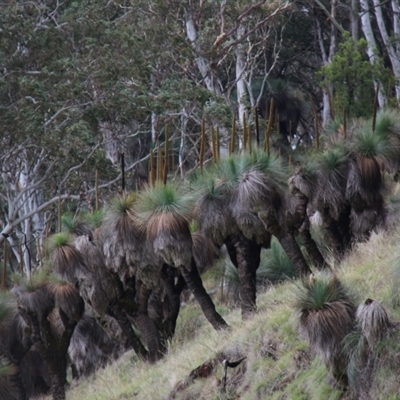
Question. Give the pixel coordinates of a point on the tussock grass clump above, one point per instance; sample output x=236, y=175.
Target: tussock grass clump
x=326, y=316
x=368, y=347
x=94, y=219
x=373, y=321
x=275, y=265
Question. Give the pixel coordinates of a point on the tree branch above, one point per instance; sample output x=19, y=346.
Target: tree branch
x=75, y=167
x=330, y=16
x=224, y=35
x=51, y=119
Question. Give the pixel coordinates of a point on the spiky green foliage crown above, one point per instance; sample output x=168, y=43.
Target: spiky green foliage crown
x=66, y=259
x=94, y=219
x=59, y=240
x=69, y=222
x=331, y=159
x=387, y=122
x=123, y=205
x=317, y=293
x=161, y=199
x=371, y=144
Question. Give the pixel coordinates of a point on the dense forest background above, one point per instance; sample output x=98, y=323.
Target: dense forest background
x=82, y=83
x=99, y=99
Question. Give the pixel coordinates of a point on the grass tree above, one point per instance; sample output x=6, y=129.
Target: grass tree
x=365, y=347
x=91, y=347
x=326, y=315
x=165, y=214
x=101, y=291
x=75, y=226
x=66, y=260
x=236, y=202
x=373, y=321
x=323, y=179
x=301, y=189
x=275, y=266
x=120, y=235
x=127, y=254
x=370, y=152
x=215, y=214
x=70, y=263
x=263, y=189
x=11, y=381
x=51, y=310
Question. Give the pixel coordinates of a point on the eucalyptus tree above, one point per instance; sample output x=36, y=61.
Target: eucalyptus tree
x=50, y=115
x=353, y=77
x=234, y=34
x=380, y=23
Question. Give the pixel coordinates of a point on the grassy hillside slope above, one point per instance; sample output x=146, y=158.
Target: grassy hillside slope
x=278, y=364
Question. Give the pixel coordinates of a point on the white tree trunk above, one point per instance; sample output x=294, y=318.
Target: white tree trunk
x=354, y=20
x=372, y=49
x=392, y=46
x=202, y=63
x=154, y=133
x=240, y=81
x=327, y=91
x=182, y=145
x=110, y=143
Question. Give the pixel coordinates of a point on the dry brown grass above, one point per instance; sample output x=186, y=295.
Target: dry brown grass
x=278, y=365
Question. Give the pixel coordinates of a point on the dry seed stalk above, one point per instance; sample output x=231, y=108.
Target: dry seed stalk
x=166, y=155
x=244, y=132
x=232, y=144
x=269, y=126
x=257, y=126
x=202, y=144
x=159, y=164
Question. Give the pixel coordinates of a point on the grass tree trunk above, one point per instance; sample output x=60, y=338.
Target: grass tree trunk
x=292, y=249
x=245, y=256
x=310, y=245
x=195, y=284
x=302, y=224
x=146, y=325
x=115, y=310
x=172, y=302
x=331, y=228
x=17, y=383
x=344, y=227
x=53, y=350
